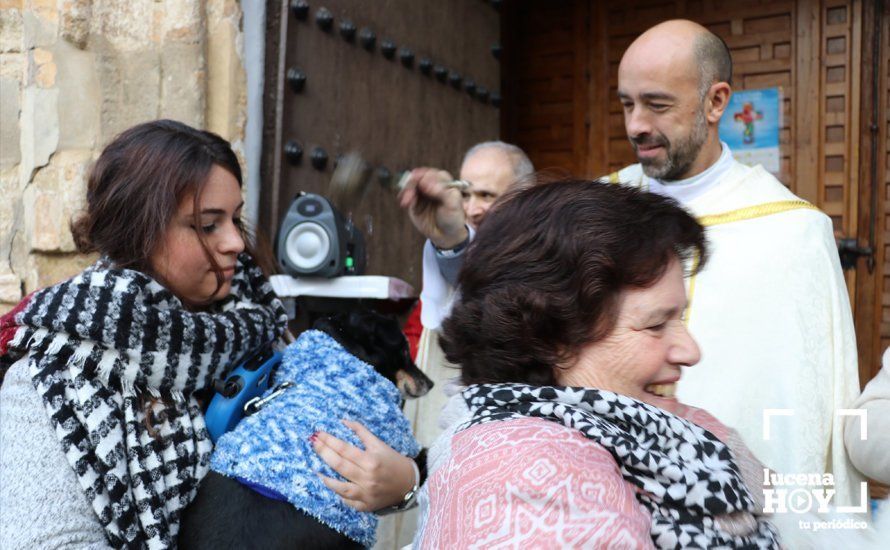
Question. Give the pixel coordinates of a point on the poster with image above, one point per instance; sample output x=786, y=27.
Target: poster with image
x=750, y=126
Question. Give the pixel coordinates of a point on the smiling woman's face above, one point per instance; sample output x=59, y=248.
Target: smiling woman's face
x=642, y=356
x=180, y=262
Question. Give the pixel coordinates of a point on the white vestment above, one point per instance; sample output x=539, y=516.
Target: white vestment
x=437, y=297
x=871, y=454
x=772, y=317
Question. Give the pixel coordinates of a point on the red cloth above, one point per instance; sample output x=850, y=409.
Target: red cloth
x=8, y=325
x=412, y=329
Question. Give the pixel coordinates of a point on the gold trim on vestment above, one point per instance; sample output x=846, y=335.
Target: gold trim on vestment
x=613, y=177
x=741, y=214
x=756, y=211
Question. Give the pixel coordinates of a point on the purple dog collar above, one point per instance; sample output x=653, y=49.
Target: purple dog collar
x=261, y=489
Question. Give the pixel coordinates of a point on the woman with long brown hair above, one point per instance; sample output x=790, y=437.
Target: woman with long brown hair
x=102, y=438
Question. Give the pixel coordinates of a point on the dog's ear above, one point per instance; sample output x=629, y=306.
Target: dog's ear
x=328, y=325
x=337, y=326
x=389, y=333
x=356, y=331
x=356, y=319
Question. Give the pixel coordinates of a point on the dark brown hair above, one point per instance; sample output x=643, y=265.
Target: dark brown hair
x=135, y=187
x=543, y=275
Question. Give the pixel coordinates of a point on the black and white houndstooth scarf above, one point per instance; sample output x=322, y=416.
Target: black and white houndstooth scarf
x=104, y=343
x=687, y=476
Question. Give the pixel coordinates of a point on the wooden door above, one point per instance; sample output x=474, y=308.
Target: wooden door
x=809, y=49
x=872, y=303
x=331, y=89
x=561, y=105
x=546, y=102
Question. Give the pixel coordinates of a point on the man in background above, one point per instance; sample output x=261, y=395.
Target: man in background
x=448, y=217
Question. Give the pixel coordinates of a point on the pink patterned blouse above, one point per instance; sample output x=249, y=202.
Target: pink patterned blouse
x=533, y=483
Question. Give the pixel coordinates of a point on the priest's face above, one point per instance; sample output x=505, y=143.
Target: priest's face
x=664, y=113
x=643, y=354
x=667, y=158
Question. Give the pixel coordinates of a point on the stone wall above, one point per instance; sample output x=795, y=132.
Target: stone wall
x=74, y=73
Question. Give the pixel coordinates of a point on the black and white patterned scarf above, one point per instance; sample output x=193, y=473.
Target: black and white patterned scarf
x=103, y=343
x=686, y=476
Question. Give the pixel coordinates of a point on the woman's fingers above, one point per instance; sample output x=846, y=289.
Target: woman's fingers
x=377, y=476
x=364, y=435
x=349, y=492
x=359, y=505
x=345, y=489
x=339, y=455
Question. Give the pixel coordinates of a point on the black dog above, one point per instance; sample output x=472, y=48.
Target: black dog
x=227, y=514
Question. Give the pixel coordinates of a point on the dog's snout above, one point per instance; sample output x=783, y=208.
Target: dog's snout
x=413, y=385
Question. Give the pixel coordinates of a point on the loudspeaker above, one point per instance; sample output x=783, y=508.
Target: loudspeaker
x=315, y=240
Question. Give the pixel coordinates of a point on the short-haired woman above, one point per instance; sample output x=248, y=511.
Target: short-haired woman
x=570, y=336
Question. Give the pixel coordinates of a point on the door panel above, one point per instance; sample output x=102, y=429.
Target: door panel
x=398, y=117
x=812, y=49
x=809, y=49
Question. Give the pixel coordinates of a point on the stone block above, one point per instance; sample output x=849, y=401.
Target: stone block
x=10, y=209
x=43, y=7
x=11, y=27
x=140, y=85
x=19, y=250
x=12, y=66
x=10, y=288
x=8, y=222
x=129, y=89
x=51, y=269
x=43, y=67
x=10, y=185
x=40, y=28
x=184, y=82
x=39, y=128
x=51, y=200
x=127, y=26
x=10, y=107
x=44, y=209
x=42, y=56
x=79, y=97
x=183, y=22
x=109, y=76
x=222, y=9
x=226, y=82
x=75, y=23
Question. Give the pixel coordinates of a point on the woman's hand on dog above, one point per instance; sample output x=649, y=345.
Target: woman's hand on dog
x=378, y=477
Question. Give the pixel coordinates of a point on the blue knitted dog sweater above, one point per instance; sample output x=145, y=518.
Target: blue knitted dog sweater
x=272, y=447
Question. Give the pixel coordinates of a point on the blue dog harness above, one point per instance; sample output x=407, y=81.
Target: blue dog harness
x=271, y=452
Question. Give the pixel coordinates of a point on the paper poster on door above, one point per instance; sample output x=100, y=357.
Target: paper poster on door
x=750, y=126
